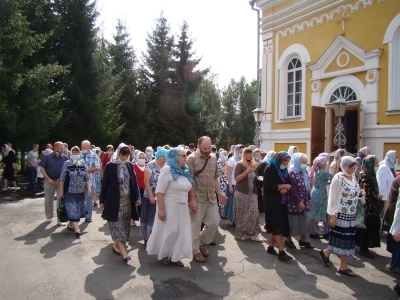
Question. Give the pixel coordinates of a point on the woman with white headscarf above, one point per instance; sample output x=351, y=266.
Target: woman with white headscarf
x=229, y=211
x=386, y=173
x=342, y=206
x=118, y=198
x=292, y=150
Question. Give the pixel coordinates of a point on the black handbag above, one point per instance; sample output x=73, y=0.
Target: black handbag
x=61, y=212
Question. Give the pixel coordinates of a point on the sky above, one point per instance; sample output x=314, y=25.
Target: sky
x=225, y=31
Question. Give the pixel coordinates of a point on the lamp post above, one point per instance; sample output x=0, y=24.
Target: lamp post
x=258, y=113
x=339, y=107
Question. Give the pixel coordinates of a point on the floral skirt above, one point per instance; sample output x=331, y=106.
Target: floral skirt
x=246, y=214
x=120, y=230
x=75, y=206
x=342, y=238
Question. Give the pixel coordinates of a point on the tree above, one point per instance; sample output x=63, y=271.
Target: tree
x=29, y=98
x=132, y=102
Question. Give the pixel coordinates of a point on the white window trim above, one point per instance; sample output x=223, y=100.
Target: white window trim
x=293, y=51
x=392, y=38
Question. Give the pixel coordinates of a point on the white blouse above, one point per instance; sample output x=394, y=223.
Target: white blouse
x=343, y=195
x=173, y=190
x=385, y=177
x=395, y=229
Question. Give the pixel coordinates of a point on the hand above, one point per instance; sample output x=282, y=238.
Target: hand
x=138, y=202
x=61, y=195
x=89, y=191
x=332, y=221
x=283, y=191
x=222, y=198
x=396, y=237
x=193, y=205
x=49, y=181
x=161, y=215
x=363, y=192
x=230, y=190
x=287, y=186
x=102, y=206
x=153, y=201
x=301, y=206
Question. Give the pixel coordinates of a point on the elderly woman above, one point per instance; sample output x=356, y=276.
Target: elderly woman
x=171, y=237
x=149, y=152
x=335, y=165
x=9, y=160
x=276, y=187
x=313, y=170
x=229, y=207
x=148, y=210
x=342, y=205
x=369, y=236
x=361, y=154
x=118, y=198
x=246, y=204
x=292, y=150
x=299, y=201
x=223, y=179
x=74, y=176
x=319, y=195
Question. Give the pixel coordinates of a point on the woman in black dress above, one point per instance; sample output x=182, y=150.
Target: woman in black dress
x=276, y=187
x=8, y=161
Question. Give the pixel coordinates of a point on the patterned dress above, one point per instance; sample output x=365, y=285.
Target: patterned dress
x=342, y=236
x=223, y=181
x=319, y=195
x=246, y=210
x=120, y=230
x=148, y=210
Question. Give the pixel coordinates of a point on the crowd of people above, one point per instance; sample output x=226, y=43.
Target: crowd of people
x=179, y=195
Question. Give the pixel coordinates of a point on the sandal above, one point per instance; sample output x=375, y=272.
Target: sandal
x=88, y=220
x=325, y=259
x=166, y=261
x=178, y=263
x=347, y=272
x=126, y=258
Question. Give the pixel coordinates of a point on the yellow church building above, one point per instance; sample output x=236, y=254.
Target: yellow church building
x=315, y=52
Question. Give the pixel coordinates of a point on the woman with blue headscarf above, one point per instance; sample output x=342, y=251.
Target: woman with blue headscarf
x=277, y=185
x=299, y=201
x=171, y=238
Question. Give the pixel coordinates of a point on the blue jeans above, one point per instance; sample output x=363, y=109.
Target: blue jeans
x=395, y=263
x=32, y=176
x=89, y=203
x=229, y=210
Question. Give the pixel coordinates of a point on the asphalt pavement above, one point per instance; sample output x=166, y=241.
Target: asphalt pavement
x=44, y=261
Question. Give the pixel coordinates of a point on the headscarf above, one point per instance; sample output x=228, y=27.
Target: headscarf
x=363, y=152
x=172, y=156
x=339, y=153
x=258, y=160
x=324, y=155
x=368, y=167
x=277, y=160
x=296, y=168
x=8, y=149
x=160, y=153
x=390, y=160
x=236, y=153
x=269, y=155
x=123, y=177
x=345, y=162
x=318, y=162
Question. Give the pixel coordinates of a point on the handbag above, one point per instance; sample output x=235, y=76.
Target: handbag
x=360, y=213
x=61, y=212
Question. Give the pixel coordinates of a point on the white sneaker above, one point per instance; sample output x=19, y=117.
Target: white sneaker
x=61, y=224
x=48, y=220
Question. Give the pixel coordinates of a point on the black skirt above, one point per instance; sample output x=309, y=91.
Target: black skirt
x=369, y=237
x=277, y=222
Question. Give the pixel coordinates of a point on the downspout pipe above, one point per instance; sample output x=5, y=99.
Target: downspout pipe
x=252, y=4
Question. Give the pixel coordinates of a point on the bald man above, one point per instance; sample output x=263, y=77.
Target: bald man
x=92, y=163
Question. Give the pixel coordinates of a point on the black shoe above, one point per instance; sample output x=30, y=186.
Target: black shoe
x=282, y=256
x=178, y=263
x=78, y=234
x=315, y=236
x=397, y=289
x=326, y=236
x=290, y=244
x=306, y=245
x=366, y=253
x=271, y=250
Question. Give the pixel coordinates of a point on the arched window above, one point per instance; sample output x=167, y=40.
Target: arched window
x=344, y=92
x=294, y=88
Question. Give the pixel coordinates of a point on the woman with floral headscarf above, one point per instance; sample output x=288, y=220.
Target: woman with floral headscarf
x=118, y=197
x=299, y=201
x=369, y=237
x=342, y=206
x=361, y=154
x=277, y=185
x=313, y=170
x=229, y=210
x=171, y=237
x=319, y=195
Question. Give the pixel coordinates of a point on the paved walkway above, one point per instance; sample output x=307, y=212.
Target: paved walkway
x=45, y=261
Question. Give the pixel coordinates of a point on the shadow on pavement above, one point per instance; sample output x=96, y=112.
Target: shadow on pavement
x=112, y=274
x=40, y=232
x=59, y=241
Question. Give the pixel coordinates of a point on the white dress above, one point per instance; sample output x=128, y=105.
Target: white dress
x=172, y=237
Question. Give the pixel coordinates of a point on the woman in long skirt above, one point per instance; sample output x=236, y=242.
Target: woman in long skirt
x=118, y=198
x=342, y=204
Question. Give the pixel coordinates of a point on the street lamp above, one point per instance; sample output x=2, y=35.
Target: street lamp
x=258, y=113
x=339, y=107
